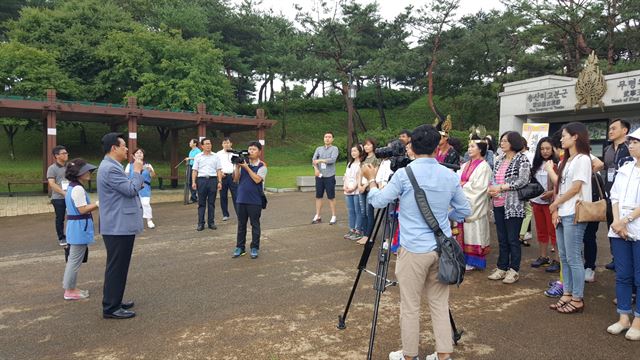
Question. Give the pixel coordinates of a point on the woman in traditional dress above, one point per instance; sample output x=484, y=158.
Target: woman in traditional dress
x=474, y=232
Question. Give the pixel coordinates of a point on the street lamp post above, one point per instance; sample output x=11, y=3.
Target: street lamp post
x=351, y=95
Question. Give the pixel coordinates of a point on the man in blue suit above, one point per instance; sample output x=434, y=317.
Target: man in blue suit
x=120, y=221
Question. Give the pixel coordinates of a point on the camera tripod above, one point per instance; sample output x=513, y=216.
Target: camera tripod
x=386, y=218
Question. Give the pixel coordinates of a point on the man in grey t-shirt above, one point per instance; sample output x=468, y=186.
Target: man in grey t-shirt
x=58, y=186
x=324, y=165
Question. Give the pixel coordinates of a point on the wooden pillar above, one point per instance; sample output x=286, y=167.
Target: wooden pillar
x=132, y=127
x=49, y=139
x=174, y=158
x=261, y=132
x=201, y=108
x=202, y=130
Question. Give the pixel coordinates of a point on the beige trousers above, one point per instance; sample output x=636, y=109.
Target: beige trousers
x=417, y=275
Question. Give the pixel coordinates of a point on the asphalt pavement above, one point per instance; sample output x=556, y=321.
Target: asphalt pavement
x=194, y=301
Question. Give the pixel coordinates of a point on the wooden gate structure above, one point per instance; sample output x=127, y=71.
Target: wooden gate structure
x=51, y=110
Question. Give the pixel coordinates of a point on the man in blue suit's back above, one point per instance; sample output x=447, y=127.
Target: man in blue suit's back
x=120, y=221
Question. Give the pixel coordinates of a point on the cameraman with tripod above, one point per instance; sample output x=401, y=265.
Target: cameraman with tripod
x=417, y=263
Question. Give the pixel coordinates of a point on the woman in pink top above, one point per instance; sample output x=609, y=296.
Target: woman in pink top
x=510, y=173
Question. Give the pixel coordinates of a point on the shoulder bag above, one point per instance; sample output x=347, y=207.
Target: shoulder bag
x=532, y=190
x=451, y=266
x=587, y=211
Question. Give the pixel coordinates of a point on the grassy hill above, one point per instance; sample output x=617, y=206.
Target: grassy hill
x=285, y=158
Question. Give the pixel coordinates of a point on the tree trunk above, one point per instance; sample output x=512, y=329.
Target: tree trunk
x=283, y=119
x=380, y=104
x=360, y=121
x=436, y=44
x=263, y=88
x=322, y=87
x=313, y=89
x=11, y=131
x=164, y=135
x=83, y=135
x=273, y=94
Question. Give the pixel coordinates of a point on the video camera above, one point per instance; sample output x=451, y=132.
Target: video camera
x=238, y=157
x=396, y=152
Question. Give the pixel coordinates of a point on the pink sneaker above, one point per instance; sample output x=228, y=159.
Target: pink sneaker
x=68, y=295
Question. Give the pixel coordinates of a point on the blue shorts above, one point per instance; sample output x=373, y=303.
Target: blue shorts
x=327, y=184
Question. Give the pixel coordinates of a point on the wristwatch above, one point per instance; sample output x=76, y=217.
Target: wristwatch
x=628, y=219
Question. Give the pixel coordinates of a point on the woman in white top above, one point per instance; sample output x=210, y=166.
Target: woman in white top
x=625, y=235
x=573, y=182
x=352, y=194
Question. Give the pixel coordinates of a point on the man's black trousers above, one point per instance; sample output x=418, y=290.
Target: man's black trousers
x=207, y=190
x=119, y=249
x=60, y=208
x=228, y=185
x=251, y=213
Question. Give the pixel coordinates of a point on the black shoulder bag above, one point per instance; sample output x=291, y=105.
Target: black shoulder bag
x=451, y=266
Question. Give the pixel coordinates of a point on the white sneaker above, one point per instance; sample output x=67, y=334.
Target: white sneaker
x=398, y=355
x=589, y=275
x=511, y=277
x=225, y=218
x=632, y=334
x=527, y=236
x=497, y=274
x=434, y=356
x=150, y=224
x=617, y=328
x=333, y=220
x=469, y=268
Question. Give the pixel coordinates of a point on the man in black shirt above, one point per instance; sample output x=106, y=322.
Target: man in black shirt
x=613, y=154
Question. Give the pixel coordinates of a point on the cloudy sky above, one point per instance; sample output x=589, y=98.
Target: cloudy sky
x=388, y=8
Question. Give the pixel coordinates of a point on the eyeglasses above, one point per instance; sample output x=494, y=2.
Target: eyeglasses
x=63, y=153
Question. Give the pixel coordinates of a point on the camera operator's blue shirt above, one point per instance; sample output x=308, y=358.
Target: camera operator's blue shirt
x=444, y=194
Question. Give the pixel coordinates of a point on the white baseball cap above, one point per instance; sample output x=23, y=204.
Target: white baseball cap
x=635, y=134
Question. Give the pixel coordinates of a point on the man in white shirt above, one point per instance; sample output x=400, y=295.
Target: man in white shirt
x=206, y=178
x=227, y=178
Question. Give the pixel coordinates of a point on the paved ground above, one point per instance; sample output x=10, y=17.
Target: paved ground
x=39, y=204
x=195, y=302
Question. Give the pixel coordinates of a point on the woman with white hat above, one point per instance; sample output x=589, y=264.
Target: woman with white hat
x=625, y=235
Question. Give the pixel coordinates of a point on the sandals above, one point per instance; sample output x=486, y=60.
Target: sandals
x=524, y=243
x=560, y=304
x=569, y=308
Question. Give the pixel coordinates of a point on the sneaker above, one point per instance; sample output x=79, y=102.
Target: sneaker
x=333, y=220
x=254, y=253
x=150, y=224
x=348, y=235
x=632, y=334
x=511, y=277
x=434, y=356
x=497, y=274
x=62, y=242
x=238, y=252
x=554, y=267
x=75, y=295
x=357, y=235
x=469, y=268
x=225, y=218
x=555, y=290
x=617, y=328
x=589, y=275
x=541, y=261
x=610, y=266
x=316, y=220
x=398, y=355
